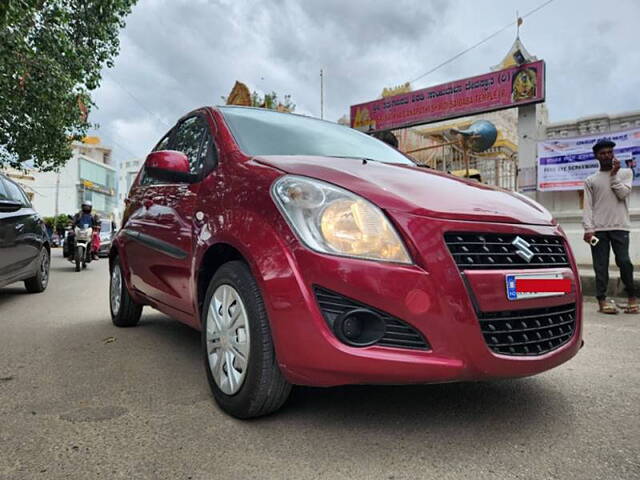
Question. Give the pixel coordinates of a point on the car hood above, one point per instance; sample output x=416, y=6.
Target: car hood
x=416, y=190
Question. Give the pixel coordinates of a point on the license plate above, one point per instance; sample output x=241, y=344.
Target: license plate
x=535, y=286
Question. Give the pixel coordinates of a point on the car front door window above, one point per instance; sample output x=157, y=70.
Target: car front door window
x=189, y=139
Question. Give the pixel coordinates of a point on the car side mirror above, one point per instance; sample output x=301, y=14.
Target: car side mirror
x=10, y=206
x=169, y=166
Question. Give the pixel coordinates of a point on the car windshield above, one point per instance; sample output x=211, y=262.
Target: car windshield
x=265, y=132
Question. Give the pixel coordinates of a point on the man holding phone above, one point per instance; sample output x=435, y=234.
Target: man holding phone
x=607, y=224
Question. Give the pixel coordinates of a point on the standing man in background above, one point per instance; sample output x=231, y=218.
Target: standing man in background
x=607, y=224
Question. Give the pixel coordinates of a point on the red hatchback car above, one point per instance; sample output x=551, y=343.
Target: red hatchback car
x=309, y=253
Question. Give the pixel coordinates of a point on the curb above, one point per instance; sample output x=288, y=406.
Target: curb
x=615, y=287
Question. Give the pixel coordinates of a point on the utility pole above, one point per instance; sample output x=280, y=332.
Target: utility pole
x=321, y=94
x=57, y=192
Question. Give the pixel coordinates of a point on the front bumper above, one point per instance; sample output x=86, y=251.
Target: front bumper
x=432, y=296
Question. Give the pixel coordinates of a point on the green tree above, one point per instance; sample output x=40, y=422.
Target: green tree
x=49, y=222
x=61, y=221
x=270, y=101
x=51, y=56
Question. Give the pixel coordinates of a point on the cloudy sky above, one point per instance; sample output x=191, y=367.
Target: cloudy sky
x=180, y=54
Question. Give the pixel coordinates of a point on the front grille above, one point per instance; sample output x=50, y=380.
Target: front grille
x=528, y=332
x=492, y=250
x=398, y=333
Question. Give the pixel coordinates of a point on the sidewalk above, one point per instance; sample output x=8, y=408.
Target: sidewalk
x=615, y=289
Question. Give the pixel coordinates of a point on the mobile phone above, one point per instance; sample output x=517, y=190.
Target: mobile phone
x=594, y=241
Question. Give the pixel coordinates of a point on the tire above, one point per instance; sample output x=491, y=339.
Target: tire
x=124, y=312
x=38, y=283
x=77, y=259
x=260, y=388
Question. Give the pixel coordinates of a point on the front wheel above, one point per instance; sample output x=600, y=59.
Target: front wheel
x=78, y=259
x=124, y=311
x=240, y=359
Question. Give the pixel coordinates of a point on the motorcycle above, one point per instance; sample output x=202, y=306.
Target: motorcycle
x=80, y=254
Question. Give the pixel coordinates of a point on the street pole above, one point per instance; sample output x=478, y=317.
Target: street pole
x=57, y=192
x=321, y=94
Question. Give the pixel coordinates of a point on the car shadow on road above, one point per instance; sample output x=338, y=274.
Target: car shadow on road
x=12, y=293
x=65, y=268
x=529, y=403
x=506, y=401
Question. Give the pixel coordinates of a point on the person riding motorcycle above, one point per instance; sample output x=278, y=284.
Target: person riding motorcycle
x=84, y=217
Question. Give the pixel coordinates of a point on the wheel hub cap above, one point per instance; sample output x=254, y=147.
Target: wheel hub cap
x=227, y=337
x=116, y=289
x=44, y=269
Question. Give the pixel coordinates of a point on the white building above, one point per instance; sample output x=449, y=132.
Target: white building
x=567, y=206
x=126, y=175
x=87, y=175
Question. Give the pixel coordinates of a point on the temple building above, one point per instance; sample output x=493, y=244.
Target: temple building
x=496, y=166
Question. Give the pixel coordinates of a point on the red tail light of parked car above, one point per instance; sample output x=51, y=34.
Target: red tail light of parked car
x=308, y=253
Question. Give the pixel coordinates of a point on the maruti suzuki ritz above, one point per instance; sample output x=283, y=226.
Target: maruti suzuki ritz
x=308, y=253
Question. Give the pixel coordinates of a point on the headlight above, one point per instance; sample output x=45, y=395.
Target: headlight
x=332, y=220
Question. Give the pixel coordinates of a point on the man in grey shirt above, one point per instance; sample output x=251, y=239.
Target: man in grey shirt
x=606, y=223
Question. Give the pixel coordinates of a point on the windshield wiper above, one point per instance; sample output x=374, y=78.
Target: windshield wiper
x=365, y=160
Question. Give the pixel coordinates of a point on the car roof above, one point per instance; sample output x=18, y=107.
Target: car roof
x=221, y=108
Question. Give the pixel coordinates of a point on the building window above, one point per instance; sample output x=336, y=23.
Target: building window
x=131, y=176
x=98, y=174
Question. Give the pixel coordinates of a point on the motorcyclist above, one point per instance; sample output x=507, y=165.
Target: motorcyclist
x=83, y=219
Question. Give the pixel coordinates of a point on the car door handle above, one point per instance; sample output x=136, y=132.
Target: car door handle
x=19, y=226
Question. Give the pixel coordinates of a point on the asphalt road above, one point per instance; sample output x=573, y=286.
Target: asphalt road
x=82, y=399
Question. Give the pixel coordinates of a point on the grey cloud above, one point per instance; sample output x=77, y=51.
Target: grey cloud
x=177, y=55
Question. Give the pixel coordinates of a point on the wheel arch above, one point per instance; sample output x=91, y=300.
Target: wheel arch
x=256, y=240
x=214, y=257
x=113, y=253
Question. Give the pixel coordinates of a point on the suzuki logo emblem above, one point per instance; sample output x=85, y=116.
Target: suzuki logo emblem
x=522, y=249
